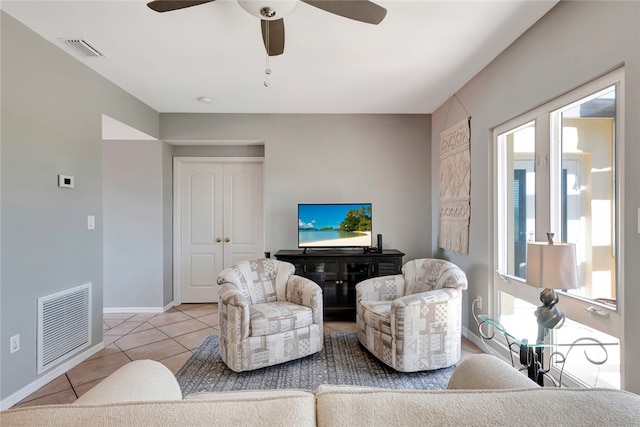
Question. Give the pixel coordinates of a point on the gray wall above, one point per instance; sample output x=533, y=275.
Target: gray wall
x=383, y=159
x=573, y=44
x=52, y=108
x=137, y=214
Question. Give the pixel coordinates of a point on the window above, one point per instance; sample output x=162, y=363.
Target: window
x=556, y=171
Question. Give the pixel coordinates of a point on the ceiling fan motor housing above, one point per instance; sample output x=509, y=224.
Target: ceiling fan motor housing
x=268, y=9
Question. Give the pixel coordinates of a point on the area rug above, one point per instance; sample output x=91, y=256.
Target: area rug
x=342, y=361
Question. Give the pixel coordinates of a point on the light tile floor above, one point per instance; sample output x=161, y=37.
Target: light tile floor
x=169, y=338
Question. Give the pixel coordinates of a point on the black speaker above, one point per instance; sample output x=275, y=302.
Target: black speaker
x=380, y=243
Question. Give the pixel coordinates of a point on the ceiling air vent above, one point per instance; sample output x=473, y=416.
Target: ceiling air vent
x=83, y=47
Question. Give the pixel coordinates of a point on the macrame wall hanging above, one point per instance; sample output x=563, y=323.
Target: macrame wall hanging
x=455, y=187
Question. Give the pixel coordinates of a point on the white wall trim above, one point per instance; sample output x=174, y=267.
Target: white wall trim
x=112, y=310
x=209, y=142
x=474, y=338
x=217, y=160
x=177, y=218
x=488, y=347
x=50, y=376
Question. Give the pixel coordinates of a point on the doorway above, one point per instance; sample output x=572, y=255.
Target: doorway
x=218, y=221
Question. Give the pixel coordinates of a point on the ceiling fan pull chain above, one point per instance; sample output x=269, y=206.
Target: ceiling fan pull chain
x=267, y=70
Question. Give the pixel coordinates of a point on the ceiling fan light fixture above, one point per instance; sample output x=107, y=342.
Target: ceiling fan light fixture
x=268, y=10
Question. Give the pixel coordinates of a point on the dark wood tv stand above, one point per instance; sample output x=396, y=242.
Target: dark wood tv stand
x=338, y=272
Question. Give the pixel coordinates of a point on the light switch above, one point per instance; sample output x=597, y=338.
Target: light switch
x=91, y=222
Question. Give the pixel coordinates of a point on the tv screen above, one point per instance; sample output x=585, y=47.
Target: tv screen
x=337, y=225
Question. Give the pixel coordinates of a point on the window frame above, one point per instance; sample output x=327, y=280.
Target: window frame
x=574, y=306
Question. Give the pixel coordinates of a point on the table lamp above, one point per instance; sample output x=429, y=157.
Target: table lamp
x=551, y=266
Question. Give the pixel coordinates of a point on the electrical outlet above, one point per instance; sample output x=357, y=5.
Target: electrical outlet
x=14, y=343
x=479, y=302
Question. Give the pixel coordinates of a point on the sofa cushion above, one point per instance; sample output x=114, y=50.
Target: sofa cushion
x=136, y=381
x=243, y=395
x=277, y=408
x=349, y=406
x=276, y=317
x=485, y=371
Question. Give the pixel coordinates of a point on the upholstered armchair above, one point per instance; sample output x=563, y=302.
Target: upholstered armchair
x=412, y=321
x=267, y=314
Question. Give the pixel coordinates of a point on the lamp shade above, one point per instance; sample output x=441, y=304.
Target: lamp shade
x=552, y=266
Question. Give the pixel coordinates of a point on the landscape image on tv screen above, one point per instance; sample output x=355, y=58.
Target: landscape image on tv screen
x=334, y=225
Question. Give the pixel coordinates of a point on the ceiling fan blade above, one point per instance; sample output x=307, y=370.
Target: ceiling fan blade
x=273, y=36
x=359, y=10
x=169, y=5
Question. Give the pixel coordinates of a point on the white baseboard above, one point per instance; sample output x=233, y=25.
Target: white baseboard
x=51, y=375
x=482, y=345
x=472, y=337
x=111, y=310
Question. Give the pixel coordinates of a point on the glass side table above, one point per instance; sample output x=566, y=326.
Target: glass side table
x=531, y=352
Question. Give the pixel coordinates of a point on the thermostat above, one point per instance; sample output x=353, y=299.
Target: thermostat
x=65, y=181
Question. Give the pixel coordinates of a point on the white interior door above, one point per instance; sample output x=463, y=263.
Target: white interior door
x=243, y=224
x=201, y=224
x=219, y=221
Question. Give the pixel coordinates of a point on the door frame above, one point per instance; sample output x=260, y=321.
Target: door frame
x=177, y=216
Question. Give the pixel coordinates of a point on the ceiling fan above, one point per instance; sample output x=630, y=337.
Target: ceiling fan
x=271, y=13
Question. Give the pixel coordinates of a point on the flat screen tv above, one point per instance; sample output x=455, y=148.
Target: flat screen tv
x=334, y=225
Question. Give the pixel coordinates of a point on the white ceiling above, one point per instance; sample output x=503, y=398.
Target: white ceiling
x=412, y=62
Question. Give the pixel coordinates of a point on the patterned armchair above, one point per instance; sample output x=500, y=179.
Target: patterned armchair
x=267, y=314
x=412, y=321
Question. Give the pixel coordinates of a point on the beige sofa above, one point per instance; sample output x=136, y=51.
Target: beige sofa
x=482, y=391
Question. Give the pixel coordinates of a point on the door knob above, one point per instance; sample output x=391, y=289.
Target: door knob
x=218, y=240
x=226, y=239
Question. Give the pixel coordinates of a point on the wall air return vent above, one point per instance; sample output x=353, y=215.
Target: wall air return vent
x=83, y=47
x=64, y=324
